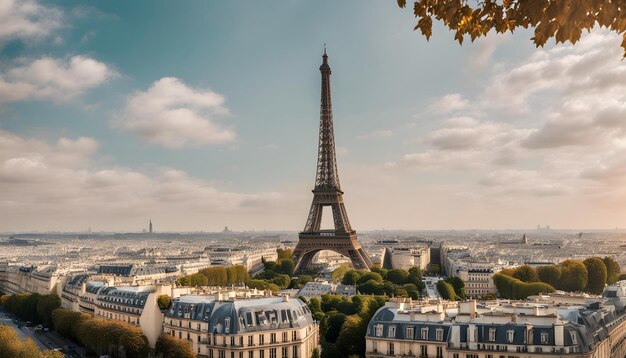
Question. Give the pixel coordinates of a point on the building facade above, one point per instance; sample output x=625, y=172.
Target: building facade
x=269, y=327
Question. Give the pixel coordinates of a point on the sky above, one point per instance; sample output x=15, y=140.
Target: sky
x=203, y=114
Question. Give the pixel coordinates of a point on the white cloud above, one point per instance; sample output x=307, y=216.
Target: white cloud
x=173, y=115
x=27, y=19
x=52, y=78
x=60, y=186
x=450, y=103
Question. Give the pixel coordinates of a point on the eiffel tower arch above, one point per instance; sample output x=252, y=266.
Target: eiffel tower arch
x=327, y=194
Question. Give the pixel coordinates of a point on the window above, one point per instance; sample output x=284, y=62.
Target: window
x=439, y=334
x=294, y=335
x=232, y=341
x=227, y=325
x=285, y=336
x=240, y=354
x=409, y=333
x=574, y=338
x=424, y=350
x=295, y=351
x=241, y=341
x=510, y=335
x=379, y=330
x=439, y=352
x=391, y=349
x=251, y=354
x=285, y=352
x=262, y=353
x=492, y=334
x=273, y=339
x=391, y=332
x=261, y=339
x=273, y=353
x=424, y=332
x=250, y=341
x=544, y=337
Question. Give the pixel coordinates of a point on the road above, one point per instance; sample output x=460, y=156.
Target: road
x=44, y=340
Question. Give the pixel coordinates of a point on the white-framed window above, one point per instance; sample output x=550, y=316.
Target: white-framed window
x=424, y=333
x=492, y=334
x=391, y=333
x=510, y=335
x=574, y=338
x=544, y=337
x=379, y=330
x=227, y=325
x=409, y=333
x=439, y=334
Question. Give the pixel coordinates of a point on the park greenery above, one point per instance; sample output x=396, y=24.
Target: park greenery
x=563, y=20
x=343, y=322
x=380, y=281
x=101, y=336
x=216, y=276
x=12, y=346
x=452, y=288
x=171, y=347
x=589, y=275
x=32, y=307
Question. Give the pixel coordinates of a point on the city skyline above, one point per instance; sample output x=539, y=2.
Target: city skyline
x=197, y=117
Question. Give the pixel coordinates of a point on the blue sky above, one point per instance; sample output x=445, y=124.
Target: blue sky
x=204, y=114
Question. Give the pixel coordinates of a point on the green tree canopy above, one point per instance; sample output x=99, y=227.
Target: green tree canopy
x=597, y=275
x=612, y=269
x=172, y=347
x=164, y=301
x=446, y=290
x=371, y=276
x=550, y=274
x=573, y=276
x=398, y=276
x=526, y=273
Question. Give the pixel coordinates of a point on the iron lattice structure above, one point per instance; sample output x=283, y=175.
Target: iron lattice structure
x=327, y=193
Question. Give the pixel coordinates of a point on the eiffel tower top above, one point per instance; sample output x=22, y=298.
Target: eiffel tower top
x=326, y=177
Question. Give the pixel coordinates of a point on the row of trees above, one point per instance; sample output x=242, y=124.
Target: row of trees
x=380, y=281
x=452, y=288
x=102, y=336
x=32, y=306
x=12, y=346
x=590, y=275
x=343, y=322
x=513, y=288
x=216, y=276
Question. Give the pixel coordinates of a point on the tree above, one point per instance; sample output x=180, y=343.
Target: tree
x=371, y=276
x=164, y=301
x=351, y=277
x=559, y=19
x=622, y=277
x=415, y=277
x=597, y=275
x=446, y=290
x=370, y=287
x=339, y=272
x=380, y=270
x=287, y=267
x=550, y=274
x=335, y=321
x=526, y=273
x=172, y=347
x=398, y=276
x=45, y=306
x=573, y=276
x=458, y=285
x=315, y=353
x=284, y=254
x=612, y=269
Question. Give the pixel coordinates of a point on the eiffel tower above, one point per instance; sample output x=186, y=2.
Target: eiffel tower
x=327, y=193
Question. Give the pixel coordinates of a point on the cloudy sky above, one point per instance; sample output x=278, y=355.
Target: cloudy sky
x=206, y=115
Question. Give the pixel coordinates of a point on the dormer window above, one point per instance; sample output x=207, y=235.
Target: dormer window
x=409, y=333
x=574, y=337
x=379, y=330
x=492, y=334
x=510, y=335
x=544, y=337
x=227, y=325
x=424, y=334
x=439, y=334
x=391, y=332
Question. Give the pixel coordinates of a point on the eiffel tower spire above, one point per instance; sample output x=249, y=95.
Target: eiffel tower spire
x=326, y=176
x=327, y=194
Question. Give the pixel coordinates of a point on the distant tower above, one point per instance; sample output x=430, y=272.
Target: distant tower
x=150, y=229
x=327, y=193
x=524, y=240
